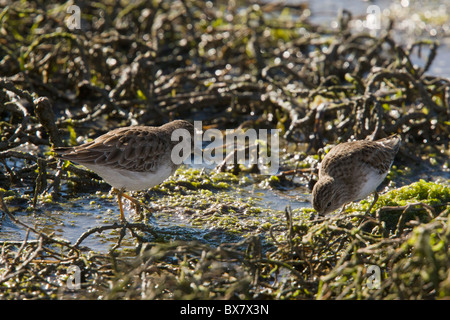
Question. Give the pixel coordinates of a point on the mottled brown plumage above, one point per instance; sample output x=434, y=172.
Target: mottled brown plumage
x=135, y=148
x=131, y=158
x=351, y=171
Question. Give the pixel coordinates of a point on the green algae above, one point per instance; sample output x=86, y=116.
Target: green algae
x=217, y=201
x=431, y=193
x=194, y=179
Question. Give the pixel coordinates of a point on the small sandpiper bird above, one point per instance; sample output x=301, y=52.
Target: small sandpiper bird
x=351, y=171
x=132, y=158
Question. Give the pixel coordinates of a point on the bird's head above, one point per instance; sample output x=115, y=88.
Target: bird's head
x=327, y=196
x=179, y=124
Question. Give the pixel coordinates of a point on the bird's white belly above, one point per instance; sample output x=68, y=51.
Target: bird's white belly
x=373, y=180
x=132, y=180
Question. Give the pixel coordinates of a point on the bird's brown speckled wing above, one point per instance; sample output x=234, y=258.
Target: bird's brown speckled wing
x=376, y=154
x=131, y=148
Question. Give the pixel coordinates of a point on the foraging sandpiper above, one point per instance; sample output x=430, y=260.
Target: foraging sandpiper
x=351, y=171
x=131, y=158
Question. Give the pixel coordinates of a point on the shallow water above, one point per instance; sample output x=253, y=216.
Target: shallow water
x=70, y=217
x=407, y=15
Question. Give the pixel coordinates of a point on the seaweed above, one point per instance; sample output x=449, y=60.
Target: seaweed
x=234, y=65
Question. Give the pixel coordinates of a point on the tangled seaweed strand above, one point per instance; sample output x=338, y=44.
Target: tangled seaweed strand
x=324, y=259
x=149, y=62
x=335, y=256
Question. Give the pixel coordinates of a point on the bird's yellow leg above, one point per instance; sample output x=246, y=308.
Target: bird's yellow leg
x=135, y=201
x=138, y=205
x=375, y=199
x=119, y=199
x=366, y=216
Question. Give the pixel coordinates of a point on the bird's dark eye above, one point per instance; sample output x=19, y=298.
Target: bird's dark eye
x=329, y=204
